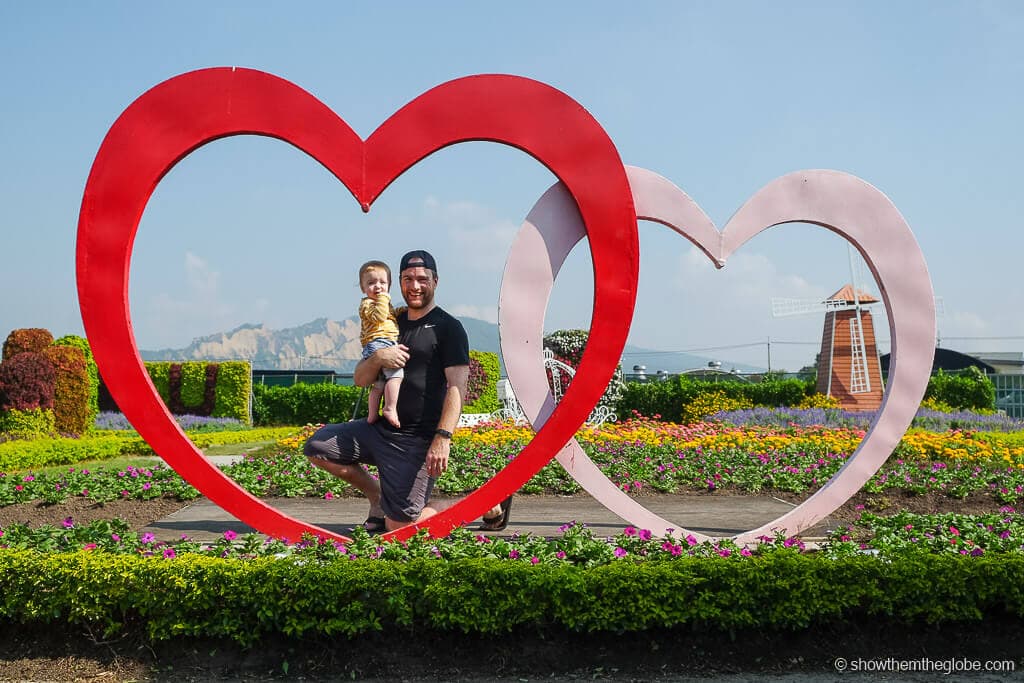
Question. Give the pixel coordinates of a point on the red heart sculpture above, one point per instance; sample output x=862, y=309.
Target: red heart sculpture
x=176, y=117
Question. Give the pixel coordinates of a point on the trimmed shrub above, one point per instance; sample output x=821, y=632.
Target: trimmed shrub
x=302, y=404
x=193, y=386
x=26, y=382
x=969, y=389
x=92, y=371
x=27, y=424
x=160, y=374
x=71, y=389
x=482, y=392
x=711, y=402
x=33, y=339
x=234, y=388
x=817, y=400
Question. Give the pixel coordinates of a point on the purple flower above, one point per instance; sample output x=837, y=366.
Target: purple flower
x=230, y=535
x=513, y=554
x=147, y=538
x=620, y=552
x=68, y=523
x=645, y=534
x=560, y=554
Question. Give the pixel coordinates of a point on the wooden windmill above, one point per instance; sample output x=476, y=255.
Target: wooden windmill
x=848, y=365
x=849, y=368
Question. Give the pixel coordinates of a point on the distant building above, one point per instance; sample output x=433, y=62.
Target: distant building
x=948, y=360
x=1003, y=362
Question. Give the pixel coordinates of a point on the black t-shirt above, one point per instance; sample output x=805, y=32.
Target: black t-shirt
x=436, y=341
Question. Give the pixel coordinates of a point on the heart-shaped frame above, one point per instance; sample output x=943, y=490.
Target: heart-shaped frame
x=176, y=117
x=836, y=201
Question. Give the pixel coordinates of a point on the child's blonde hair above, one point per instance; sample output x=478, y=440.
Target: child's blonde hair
x=374, y=265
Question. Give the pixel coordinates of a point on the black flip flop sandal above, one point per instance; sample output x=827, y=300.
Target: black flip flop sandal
x=375, y=525
x=501, y=521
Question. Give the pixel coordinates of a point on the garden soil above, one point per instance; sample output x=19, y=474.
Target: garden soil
x=56, y=654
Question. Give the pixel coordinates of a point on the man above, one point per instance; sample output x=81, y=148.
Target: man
x=433, y=349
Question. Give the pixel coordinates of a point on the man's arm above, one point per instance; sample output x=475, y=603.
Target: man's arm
x=440, y=447
x=368, y=369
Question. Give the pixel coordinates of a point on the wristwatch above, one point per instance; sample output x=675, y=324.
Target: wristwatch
x=443, y=433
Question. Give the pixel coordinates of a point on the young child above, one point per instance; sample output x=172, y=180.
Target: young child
x=379, y=330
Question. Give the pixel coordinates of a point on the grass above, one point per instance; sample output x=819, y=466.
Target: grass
x=237, y=448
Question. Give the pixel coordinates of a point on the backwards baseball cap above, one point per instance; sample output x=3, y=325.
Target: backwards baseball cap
x=415, y=259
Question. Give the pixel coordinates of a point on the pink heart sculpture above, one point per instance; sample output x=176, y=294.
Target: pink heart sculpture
x=836, y=201
x=176, y=117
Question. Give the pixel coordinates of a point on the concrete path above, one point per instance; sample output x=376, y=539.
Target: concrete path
x=538, y=515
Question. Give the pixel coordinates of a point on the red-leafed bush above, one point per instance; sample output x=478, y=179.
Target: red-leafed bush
x=33, y=339
x=71, y=389
x=26, y=382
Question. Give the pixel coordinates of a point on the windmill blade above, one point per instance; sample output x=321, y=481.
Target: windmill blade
x=783, y=307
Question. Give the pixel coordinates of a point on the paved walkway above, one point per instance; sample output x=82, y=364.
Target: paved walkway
x=713, y=515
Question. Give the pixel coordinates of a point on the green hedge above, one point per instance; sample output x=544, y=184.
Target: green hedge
x=24, y=455
x=232, y=391
x=968, y=389
x=247, y=600
x=486, y=387
x=302, y=404
x=669, y=398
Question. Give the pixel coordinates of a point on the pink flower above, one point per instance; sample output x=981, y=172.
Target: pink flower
x=690, y=540
x=746, y=552
x=328, y=495
x=169, y=553
x=620, y=552
x=230, y=535
x=534, y=560
x=953, y=530
x=513, y=554
x=89, y=546
x=560, y=554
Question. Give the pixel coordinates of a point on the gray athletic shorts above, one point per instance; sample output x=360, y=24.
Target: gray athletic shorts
x=400, y=460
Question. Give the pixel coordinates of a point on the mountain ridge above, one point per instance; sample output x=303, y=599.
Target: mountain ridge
x=325, y=344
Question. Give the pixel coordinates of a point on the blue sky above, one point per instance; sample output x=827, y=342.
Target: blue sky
x=921, y=99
